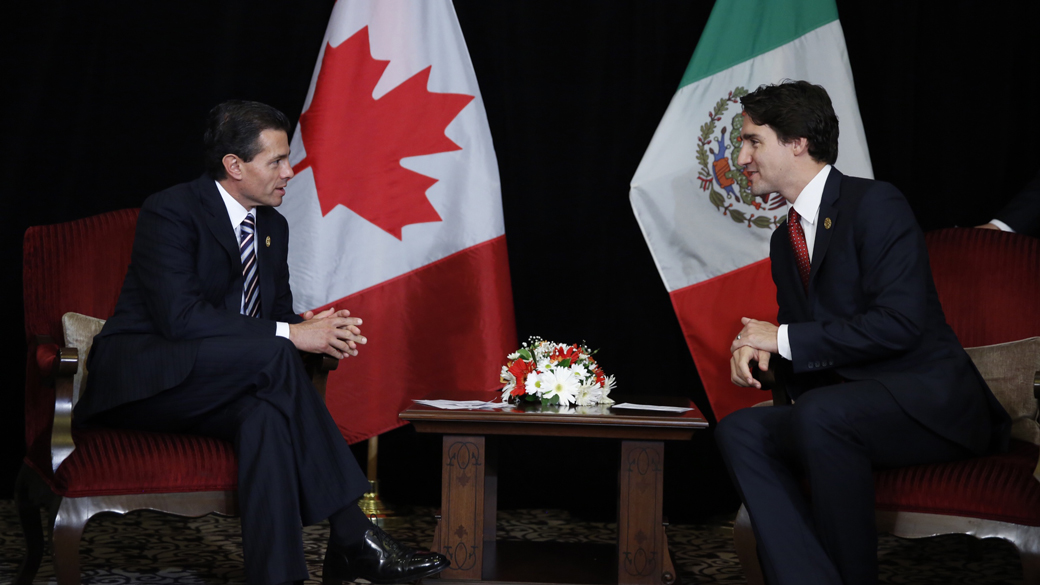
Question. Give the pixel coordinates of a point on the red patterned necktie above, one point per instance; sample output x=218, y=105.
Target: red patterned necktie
x=801, y=251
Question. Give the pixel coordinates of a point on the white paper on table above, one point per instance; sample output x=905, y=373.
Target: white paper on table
x=463, y=404
x=656, y=407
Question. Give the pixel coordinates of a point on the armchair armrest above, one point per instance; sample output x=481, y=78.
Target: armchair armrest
x=771, y=380
x=318, y=366
x=60, y=376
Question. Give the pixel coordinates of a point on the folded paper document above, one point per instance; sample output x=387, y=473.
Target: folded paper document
x=651, y=407
x=463, y=404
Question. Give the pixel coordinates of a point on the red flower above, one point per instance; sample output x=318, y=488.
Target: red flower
x=572, y=353
x=519, y=369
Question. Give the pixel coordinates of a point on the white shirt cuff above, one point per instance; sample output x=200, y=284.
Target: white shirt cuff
x=1003, y=226
x=282, y=329
x=783, y=344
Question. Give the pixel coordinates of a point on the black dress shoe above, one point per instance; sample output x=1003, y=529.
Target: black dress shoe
x=379, y=559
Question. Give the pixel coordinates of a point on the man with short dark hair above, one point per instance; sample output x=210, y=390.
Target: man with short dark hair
x=204, y=340
x=877, y=375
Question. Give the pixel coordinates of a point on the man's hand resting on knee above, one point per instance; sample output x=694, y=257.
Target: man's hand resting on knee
x=332, y=332
x=740, y=366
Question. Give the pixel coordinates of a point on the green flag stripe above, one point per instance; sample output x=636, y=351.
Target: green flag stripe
x=739, y=30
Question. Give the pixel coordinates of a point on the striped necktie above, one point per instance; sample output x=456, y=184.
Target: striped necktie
x=250, y=285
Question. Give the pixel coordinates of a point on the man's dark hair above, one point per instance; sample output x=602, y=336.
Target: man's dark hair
x=234, y=127
x=797, y=109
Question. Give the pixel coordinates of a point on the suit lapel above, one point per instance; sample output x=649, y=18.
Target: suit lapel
x=825, y=221
x=217, y=218
x=265, y=260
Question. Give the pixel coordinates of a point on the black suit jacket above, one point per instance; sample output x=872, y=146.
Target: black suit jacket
x=183, y=285
x=872, y=313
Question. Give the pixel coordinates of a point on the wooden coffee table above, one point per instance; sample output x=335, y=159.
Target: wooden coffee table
x=469, y=487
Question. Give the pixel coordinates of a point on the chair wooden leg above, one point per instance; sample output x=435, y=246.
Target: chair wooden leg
x=68, y=529
x=28, y=505
x=747, y=549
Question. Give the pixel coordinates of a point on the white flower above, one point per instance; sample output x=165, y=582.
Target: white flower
x=534, y=385
x=562, y=383
x=609, y=384
x=580, y=371
x=587, y=394
x=510, y=380
x=512, y=356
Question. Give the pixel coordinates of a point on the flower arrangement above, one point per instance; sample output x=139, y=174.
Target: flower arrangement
x=555, y=373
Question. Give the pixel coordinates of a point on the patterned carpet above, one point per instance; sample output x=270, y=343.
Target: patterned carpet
x=147, y=547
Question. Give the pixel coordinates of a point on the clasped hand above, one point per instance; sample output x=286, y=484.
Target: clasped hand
x=755, y=343
x=332, y=332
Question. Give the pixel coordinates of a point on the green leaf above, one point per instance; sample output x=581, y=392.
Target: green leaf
x=555, y=399
x=762, y=221
x=525, y=354
x=716, y=199
x=565, y=363
x=737, y=215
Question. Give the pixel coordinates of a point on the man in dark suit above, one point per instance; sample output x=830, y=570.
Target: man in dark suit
x=204, y=340
x=877, y=375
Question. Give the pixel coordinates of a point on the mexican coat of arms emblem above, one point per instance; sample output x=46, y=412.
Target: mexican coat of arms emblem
x=724, y=180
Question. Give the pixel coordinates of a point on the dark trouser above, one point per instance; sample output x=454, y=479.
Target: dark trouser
x=832, y=437
x=294, y=468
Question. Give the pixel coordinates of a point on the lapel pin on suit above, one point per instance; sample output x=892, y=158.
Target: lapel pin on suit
x=267, y=242
x=827, y=223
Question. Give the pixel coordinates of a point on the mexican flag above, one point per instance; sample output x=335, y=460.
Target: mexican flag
x=708, y=235
x=395, y=211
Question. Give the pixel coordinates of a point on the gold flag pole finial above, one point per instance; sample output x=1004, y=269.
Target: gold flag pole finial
x=376, y=510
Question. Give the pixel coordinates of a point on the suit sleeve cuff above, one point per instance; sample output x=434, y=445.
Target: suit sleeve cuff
x=783, y=344
x=1003, y=226
x=282, y=329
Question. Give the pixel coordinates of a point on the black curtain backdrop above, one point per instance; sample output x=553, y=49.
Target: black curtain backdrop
x=105, y=103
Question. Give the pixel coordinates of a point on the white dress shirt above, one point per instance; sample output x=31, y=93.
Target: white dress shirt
x=807, y=204
x=1003, y=226
x=236, y=214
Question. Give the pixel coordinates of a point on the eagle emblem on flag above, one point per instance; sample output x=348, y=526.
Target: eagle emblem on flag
x=724, y=179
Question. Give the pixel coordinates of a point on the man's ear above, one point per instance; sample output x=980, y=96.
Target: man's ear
x=799, y=146
x=232, y=166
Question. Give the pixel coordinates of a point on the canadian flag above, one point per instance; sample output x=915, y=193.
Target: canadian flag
x=395, y=212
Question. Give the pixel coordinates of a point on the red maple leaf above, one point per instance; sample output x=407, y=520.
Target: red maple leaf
x=355, y=143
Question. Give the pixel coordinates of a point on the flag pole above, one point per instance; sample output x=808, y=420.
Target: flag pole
x=376, y=510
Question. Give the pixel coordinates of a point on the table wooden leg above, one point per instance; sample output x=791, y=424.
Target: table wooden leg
x=642, y=556
x=461, y=530
x=490, y=499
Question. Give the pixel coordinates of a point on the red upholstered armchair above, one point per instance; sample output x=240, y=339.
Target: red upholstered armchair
x=79, y=267
x=989, y=286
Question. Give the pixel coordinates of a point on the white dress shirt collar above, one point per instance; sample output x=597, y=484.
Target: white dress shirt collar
x=236, y=213
x=808, y=202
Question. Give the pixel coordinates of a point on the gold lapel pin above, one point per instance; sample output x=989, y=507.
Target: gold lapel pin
x=268, y=241
x=826, y=225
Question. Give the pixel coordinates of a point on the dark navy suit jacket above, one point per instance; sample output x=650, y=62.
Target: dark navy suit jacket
x=184, y=284
x=872, y=313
